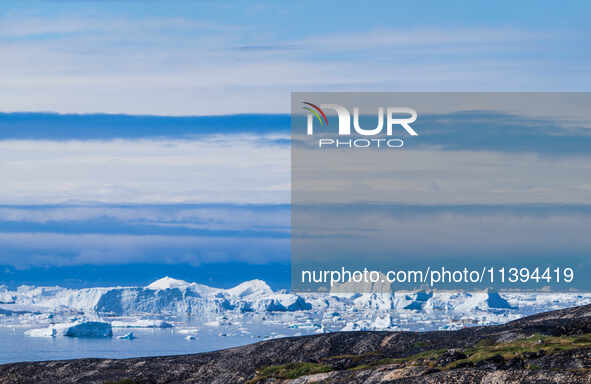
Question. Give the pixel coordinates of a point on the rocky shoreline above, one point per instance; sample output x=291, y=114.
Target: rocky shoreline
x=545, y=348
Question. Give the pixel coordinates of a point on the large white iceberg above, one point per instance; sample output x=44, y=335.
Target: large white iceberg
x=168, y=283
x=142, y=323
x=76, y=329
x=179, y=301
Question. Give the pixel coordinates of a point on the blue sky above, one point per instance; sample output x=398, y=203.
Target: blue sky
x=208, y=57
x=120, y=199
x=123, y=197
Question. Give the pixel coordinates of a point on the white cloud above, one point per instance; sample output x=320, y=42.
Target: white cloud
x=396, y=238
x=236, y=169
x=446, y=38
x=439, y=177
x=178, y=66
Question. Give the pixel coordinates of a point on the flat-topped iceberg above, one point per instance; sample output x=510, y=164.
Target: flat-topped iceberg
x=76, y=329
x=142, y=323
x=189, y=303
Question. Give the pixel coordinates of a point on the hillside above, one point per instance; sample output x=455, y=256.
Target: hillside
x=549, y=347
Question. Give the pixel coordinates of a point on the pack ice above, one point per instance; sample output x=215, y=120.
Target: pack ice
x=169, y=302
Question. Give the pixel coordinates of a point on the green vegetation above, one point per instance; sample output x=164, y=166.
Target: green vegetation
x=426, y=356
x=290, y=371
x=353, y=358
x=522, y=348
x=485, y=342
x=534, y=344
x=420, y=344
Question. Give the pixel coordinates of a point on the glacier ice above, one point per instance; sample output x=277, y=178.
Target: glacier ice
x=168, y=283
x=169, y=302
x=495, y=300
x=141, y=323
x=76, y=329
x=188, y=331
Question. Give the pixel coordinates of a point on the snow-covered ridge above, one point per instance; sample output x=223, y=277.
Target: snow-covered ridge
x=166, y=296
x=168, y=300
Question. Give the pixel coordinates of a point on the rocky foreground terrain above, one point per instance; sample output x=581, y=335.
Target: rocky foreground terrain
x=552, y=347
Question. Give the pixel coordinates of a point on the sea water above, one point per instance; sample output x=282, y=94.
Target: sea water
x=16, y=347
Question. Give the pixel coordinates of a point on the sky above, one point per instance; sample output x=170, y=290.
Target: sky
x=478, y=187
x=124, y=200
x=140, y=139
x=210, y=57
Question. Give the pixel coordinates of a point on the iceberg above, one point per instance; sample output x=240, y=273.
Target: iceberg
x=284, y=303
x=495, y=300
x=142, y=323
x=188, y=331
x=251, y=288
x=254, y=303
x=382, y=322
x=6, y=297
x=127, y=336
x=213, y=323
x=41, y=332
x=168, y=283
x=77, y=329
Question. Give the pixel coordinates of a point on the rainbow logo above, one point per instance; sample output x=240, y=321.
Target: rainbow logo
x=315, y=110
